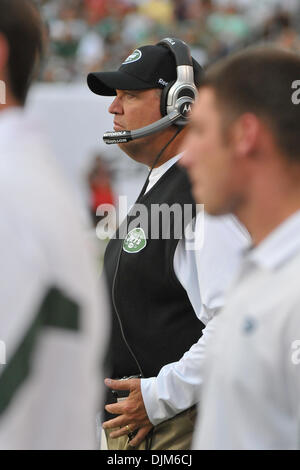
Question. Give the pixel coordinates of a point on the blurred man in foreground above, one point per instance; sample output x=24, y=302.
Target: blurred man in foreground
x=244, y=157
x=51, y=324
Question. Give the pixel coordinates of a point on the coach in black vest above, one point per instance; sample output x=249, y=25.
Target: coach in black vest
x=153, y=318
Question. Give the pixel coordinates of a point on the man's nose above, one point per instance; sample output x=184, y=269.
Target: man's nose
x=116, y=106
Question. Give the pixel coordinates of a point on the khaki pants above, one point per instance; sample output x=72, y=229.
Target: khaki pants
x=174, y=434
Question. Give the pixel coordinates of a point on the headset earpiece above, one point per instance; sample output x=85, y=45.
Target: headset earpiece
x=180, y=94
x=184, y=94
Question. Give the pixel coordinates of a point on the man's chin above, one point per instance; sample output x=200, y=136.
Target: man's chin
x=214, y=209
x=211, y=207
x=197, y=191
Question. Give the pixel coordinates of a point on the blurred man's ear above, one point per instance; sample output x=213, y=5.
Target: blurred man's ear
x=246, y=134
x=4, y=53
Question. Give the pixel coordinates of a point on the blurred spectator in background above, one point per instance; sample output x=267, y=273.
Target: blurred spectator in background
x=96, y=9
x=288, y=37
x=52, y=308
x=99, y=179
x=102, y=200
x=160, y=11
x=98, y=34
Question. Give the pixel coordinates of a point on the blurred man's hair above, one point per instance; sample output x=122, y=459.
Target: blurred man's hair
x=259, y=80
x=21, y=25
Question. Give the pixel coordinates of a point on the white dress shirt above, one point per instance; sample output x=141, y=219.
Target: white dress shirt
x=42, y=245
x=205, y=273
x=251, y=393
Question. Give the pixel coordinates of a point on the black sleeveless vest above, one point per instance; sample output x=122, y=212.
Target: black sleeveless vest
x=153, y=310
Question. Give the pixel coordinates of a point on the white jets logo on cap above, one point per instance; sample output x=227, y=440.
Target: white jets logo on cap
x=136, y=55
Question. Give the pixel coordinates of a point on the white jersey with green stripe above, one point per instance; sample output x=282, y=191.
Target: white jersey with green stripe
x=53, y=322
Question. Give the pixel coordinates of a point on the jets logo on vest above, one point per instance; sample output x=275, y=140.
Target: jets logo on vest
x=135, y=241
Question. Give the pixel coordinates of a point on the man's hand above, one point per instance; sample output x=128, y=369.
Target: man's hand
x=132, y=411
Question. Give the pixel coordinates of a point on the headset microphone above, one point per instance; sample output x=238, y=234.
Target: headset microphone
x=120, y=137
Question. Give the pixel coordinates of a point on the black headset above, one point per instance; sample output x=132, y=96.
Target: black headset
x=180, y=94
x=176, y=100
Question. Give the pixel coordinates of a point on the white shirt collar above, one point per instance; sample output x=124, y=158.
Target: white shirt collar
x=160, y=170
x=279, y=246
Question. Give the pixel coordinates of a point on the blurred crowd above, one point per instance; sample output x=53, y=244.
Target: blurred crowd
x=87, y=35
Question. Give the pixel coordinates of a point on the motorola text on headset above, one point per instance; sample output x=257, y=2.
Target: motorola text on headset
x=176, y=100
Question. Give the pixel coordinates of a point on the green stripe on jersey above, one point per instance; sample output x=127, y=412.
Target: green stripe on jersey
x=56, y=311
